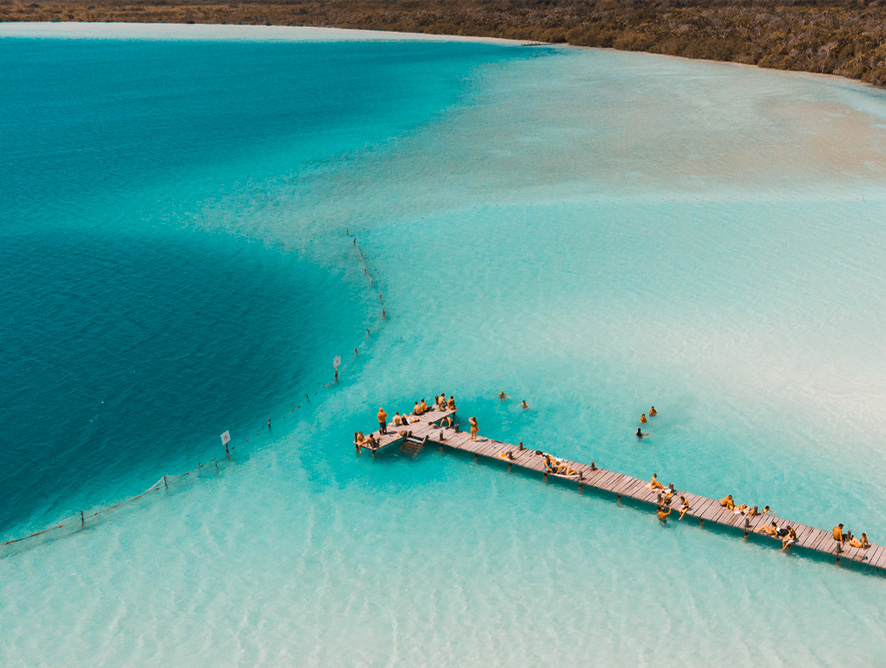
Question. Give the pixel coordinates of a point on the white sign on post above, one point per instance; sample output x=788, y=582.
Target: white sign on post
x=336, y=362
x=226, y=438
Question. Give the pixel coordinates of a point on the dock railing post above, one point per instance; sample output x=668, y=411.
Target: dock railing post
x=521, y=445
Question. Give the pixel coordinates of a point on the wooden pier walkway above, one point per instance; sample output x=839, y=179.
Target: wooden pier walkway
x=429, y=431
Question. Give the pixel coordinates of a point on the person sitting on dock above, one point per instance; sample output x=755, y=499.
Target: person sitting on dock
x=371, y=442
x=382, y=421
x=654, y=483
x=447, y=421
x=854, y=542
x=865, y=543
x=424, y=407
x=359, y=438
x=416, y=409
x=727, y=502
x=501, y=395
x=643, y=419
x=441, y=401
x=451, y=403
x=474, y=428
x=768, y=529
x=838, y=534
x=684, y=507
x=640, y=433
x=789, y=539
x=753, y=512
x=397, y=421
x=652, y=412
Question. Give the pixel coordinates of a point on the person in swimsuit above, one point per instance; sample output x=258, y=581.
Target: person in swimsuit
x=662, y=515
x=789, y=539
x=654, y=483
x=753, y=512
x=501, y=395
x=451, y=403
x=424, y=406
x=397, y=420
x=652, y=412
x=474, y=428
x=769, y=530
x=640, y=433
x=727, y=502
x=524, y=404
x=416, y=409
x=643, y=419
x=684, y=507
x=865, y=543
x=838, y=534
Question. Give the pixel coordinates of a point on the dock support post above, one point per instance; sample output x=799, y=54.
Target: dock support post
x=509, y=467
x=545, y=479
x=475, y=456
x=700, y=522
x=82, y=519
x=373, y=454
x=581, y=488
x=618, y=498
x=165, y=484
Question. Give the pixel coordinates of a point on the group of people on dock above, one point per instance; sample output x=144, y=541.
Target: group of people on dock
x=652, y=413
x=846, y=538
x=419, y=409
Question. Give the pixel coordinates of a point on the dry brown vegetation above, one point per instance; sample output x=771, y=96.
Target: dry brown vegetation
x=847, y=38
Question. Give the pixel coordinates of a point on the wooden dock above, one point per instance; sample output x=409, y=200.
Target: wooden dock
x=428, y=431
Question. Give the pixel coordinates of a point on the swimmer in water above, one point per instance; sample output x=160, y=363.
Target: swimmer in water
x=640, y=433
x=652, y=412
x=524, y=404
x=501, y=395
x=662, y=515
x=643, y=418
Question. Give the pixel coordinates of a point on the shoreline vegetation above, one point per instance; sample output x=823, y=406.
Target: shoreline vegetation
x=842, y=37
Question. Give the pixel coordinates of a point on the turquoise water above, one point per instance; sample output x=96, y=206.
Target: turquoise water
x=592, y=231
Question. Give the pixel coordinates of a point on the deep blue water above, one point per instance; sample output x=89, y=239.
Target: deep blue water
x=143, y=306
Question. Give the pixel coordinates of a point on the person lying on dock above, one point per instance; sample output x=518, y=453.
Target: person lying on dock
x=838, y=534
x=727, y=502
x=640, y=433
x=768, y=529
x=789, y=539
x=684, y=507
x=501, y=395
x=741, y=510
x=768, y=511
x=654, y=483
x=652, y=412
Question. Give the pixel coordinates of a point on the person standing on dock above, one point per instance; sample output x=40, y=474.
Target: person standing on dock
x=382, y=421
x=474, y=428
